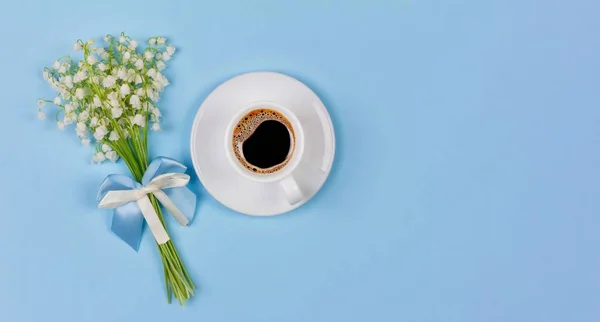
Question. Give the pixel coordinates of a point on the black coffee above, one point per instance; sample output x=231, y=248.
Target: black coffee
x=263, y=141
x=268, y=146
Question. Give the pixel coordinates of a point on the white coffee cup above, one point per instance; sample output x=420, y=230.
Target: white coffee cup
x=283, y=176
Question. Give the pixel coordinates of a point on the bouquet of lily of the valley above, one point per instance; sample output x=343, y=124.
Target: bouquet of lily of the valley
x=110, y=97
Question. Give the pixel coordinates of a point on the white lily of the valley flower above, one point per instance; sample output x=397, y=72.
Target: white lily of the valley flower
x=133, y=45
x=156, y=112
x=85, y=141
x=101, y=67
x=148, y=55
x=79, y=93
x=151, y=73
x=100, y=133
x=135, y=102
x=107, y=38
x=114, y=136
x=91, y=60
x=105, y=148
x=98, y=157
x=124, y=89
x=130, y=75
x=155, y=127
x=116, y=112
x=139, y=64
x=62, y=69
x=46, y=75
x=68, y=81
x=161, y=40
x=41, y=115
x=126, y=56
x=70, y=118
x=170, y=50
x=166, y=56
x=84, y=115
x=94, y=121
x=56, y=65
x=138, y=119
x=112, y=156
x=69, y=108
x=161, y=65
x=79, y=76
x=153, y=95
x=122, y=73
x=61, y=125
x=81, y=129
x=151, y=41
x=138, y=79
x=158, y=56
x=90, y=41
x=122, y=39
x=109, y=81
x=41, y=103
x=97, y=102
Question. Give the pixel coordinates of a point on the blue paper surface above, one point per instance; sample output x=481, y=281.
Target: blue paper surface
x=465, y=186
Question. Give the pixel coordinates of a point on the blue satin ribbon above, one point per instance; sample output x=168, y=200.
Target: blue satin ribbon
x=128, y=221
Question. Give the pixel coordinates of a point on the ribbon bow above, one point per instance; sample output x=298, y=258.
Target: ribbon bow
x=165, y=179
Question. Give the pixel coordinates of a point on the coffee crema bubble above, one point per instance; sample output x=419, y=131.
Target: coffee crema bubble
x=263, y=141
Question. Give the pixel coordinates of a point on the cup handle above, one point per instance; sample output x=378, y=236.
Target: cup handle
x=292, y=190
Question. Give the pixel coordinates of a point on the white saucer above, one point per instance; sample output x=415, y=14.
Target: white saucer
x=216, y=173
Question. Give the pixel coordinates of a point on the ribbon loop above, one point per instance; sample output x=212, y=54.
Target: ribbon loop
x=119, y=191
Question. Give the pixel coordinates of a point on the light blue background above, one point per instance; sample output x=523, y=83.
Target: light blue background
x=466, y=184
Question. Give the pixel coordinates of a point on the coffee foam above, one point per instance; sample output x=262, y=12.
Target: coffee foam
x=246, y=127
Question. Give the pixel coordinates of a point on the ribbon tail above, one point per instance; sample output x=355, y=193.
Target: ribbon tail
x=171, y=208
x=127, y=224
x=185, y=200
x=154, y=223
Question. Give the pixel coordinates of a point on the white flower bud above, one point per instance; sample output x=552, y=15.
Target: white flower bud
x=98, y=157
x=170, y=50
x=77, y=46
